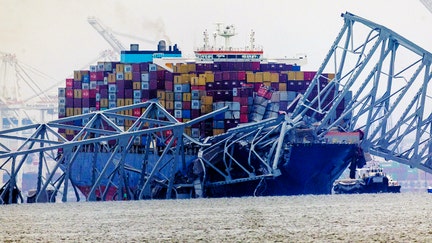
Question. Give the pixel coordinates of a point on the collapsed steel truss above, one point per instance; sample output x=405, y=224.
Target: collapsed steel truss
x=391, y=99
x=56, y=154
x=382, y=79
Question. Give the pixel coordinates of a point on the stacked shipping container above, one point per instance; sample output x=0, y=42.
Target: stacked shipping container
x=253, y=91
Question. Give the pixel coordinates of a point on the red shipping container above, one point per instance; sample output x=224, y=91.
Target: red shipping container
x=99, y=75
x=136, y=76
x=241, y=75
x=69, y=83
x=244, y=118
x=244, y=109
x=92, y=93
x=93, y=76
x=169, y=85
x=69, y=93
x=85, y=93
x=135, y=67
x=186, y=105
x=137, y=112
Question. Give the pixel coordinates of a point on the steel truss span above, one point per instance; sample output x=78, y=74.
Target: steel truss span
x=387, y=80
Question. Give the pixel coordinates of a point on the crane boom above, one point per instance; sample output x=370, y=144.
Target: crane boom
x=427, y=4
x=106, y=34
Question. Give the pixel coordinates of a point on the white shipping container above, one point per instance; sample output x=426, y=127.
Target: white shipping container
x=145, y=77
x=145, y=85
x=178, y=113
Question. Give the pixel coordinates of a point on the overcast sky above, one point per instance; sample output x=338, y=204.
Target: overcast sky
x=54, y=36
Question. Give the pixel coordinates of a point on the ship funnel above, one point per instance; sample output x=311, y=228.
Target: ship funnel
x=162, y=45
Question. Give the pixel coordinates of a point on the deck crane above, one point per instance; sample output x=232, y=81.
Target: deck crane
x=106, y=34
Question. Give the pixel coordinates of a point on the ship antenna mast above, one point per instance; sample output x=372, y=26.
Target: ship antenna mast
x=226, y=33
x=252, y=40
x=206, y=39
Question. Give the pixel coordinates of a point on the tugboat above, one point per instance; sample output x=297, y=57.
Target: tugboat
x=369, y=179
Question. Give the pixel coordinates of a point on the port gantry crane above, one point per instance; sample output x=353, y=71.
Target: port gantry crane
x=383, y=78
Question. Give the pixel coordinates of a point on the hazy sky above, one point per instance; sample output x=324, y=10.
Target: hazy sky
x=54, y=36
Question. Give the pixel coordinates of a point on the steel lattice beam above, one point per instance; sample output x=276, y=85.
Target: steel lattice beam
x=381, y=86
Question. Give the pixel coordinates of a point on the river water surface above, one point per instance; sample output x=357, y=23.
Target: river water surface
x=404, y=217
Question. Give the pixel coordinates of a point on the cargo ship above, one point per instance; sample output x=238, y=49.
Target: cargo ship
x=255, y=90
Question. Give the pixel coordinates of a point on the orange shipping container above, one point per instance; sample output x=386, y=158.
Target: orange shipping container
x=169, y=96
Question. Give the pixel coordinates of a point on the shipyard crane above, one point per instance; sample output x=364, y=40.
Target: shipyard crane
x=427, y=4
x=106, y=34
x=380, y=78
x=109, y=35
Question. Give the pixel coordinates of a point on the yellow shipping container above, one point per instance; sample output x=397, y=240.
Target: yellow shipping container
x=111, y=78
x=209, y=77
x=104, y=102
x=258, y=77
x=69, y=132
x=267, y=83
x=129, y=123
x=250, y=77
x=282, y=87
x=120, y=102
x=187, y=96
x=191, y=67
x=169, y=105
x=69, y=112
x=161, y=94
x=169, y=96
x=218, y=131
x=187, y=130
x=136, y=85
x=162, y=102
x=119, y=68
x=274, y=78
x=183, y=68
x=207, y=100
x=77, y=75
x=202, y=80
x=128, y=76
x=331, y=76
x=206, y=108
x=185, y=78
x=177, y=79
x=299, y=75
x=266, y=76
x=77, y=111
x=128, y=101
x=291, y=75
x=78, y=93
x=194, y=81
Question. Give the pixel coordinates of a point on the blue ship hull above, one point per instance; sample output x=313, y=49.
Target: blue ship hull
x=310, y=169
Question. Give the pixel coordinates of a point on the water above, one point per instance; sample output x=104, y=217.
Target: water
x=403, y=217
